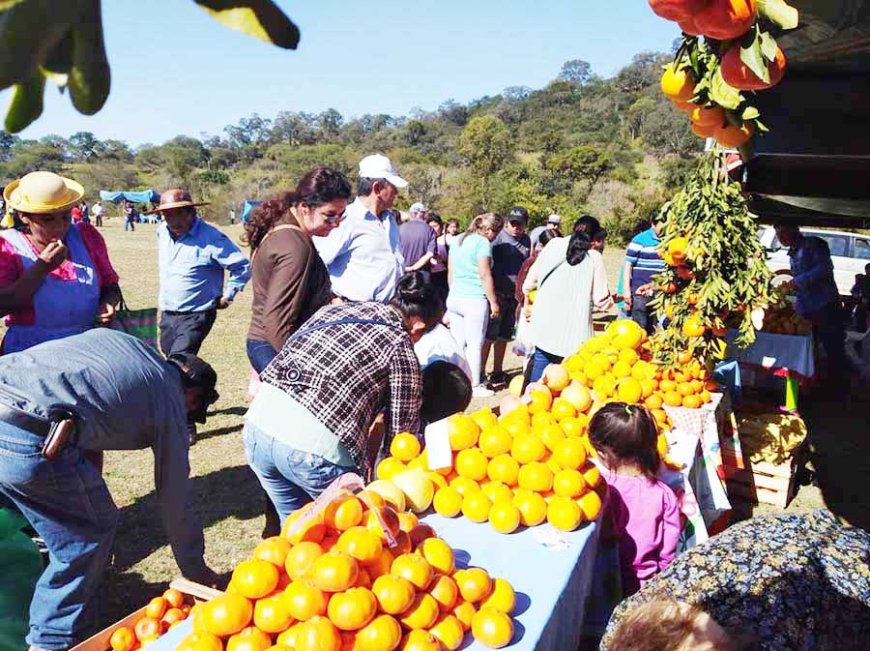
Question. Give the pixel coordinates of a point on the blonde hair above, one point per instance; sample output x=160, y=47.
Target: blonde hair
x=481, y=223
x=659, y=625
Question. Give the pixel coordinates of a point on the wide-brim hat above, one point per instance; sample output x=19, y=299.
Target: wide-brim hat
x=176, y=198
x=42, y=193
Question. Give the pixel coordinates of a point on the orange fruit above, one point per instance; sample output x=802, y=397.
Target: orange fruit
x=570, y=453
x=413, y=568
x=474, y=583
x=590, y=504
x=540, y=399
x=728, y=135
x=303, y=601
x=200, y=642
x=552, y=434
x=673, y=399
x=147, y=627
x=504, y=517
x=462, y=431
x=370, y=499
x=571, y=427
x=288, y=637
x=381, y=565
x=666, y=386
x=569, y=483
x=175, y=598
x=420, y=640
x=502, y=598
x=592, y=476
x=661, y=417
x=383, y=633
x=494, y=441
x=653, y=401
x=471, y=463
x=438, y=554
x=334, y=571
x=300, y=558
x=156, y=608
x=497, y=491
x=270, y=615
x=352, y=609
x=313, y=530
x=564, y=513
x=532, y=508
x=476, y=506
x=445, y=591
x=705, y=397
x=527, y=448
x=393, y=593
x=447, y=502
x=503, y=468
x=685, y=389
x=536, y=477
x=227, y=614
x=448, y=630
x=172, y=616
x=360, y=543
x=274, y=550
x=492, y=628
x=556, y=377
x=123, y=639
x=255, y=578
x=343, y=512
x=562, y=409
x=484, y=417
x=249, y=639
x=317, y=634
x=692, y=402
x=407, y=521
x=464, y=612
x=405, y=446
x=386, y=515
x=422, y=613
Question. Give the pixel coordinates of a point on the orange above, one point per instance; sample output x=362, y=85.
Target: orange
x=590, y=504
x=536, y=477
x=393, y=593
x=629, y=391
x=288, y=637
x=570, y=453
x=227, y=614
x=386, y=515
x=381, y=565
x=673, y=399
x=422, y=613
x=504, y=517
x=661, y=417
x=464, y=612
x=389, y=467
x=313, y=530
x=353, y=609
x=556, y=377
x=562, y=409
x=335, y=571
x=471, y=463
x=448, y=630
x=540, y=399
x=175, y=598
x=156, y=608
x=255, y=578
x=172, y=616
x=462, y=431
x=317, y=634
x=249, y=639
x=571, y=427
x=685, y=389
x=343, y=512
x=484, y=417
x=300, y=558
x=447, y=502
x=200, y=642
x=303, y=601
x=502, y=598
x=438, y=554
x=383, y=633
x=413, y=568
x=532, y=508
x=476, y=506
x=273, y=550
x=527, y=448
x=653, y=401
x=420, y=640
x=270, y=615
x=666, y=386
x=405, y=446
x=465, y=486
x=497, y=491
x=474, y=584
x=515, y=427
x=363, y=579
x=730, y=136
x=370, y=499
x=692, y=402
x=445, y=591
x=360, y=543
x=147, y=627
x=503, y=468
x=123, y=639
x=569, y=483
x=564, y=513
x=494, y=441
x=592, y=476
x=492, y=628
x=551, y=434
x=705, y=397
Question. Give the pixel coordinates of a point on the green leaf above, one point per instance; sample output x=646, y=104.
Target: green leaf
x=768, y=46
x=753, y=57
x=259, y=18
x=750, y=113
x=26, y=104
x=779, y=13
x=724, y=95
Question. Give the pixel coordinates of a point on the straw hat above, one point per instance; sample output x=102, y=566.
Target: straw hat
x=175, y=198
x=41, y=193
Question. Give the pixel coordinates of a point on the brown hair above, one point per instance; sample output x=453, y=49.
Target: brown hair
x=625, y=435
x=482, y=222
x=319, y=186
x=659, y=625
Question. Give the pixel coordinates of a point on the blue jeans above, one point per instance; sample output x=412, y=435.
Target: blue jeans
x=69, y=505
x=642, y=314
x=260, y=353
x=540, y=361
x=290, y=477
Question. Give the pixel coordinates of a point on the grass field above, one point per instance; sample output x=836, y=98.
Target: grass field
x=227, y=496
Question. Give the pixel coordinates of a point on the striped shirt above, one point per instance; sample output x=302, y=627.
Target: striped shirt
x=643, y=255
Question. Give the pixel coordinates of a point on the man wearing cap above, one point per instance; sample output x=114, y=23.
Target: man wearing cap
x=101, y=390
x=363, y=255
x=553, y=224
x=510, y=249
x=417, y=240
x=192, y=259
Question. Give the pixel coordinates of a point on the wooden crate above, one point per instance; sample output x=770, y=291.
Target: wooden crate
x=193, y=593
x=761, y=482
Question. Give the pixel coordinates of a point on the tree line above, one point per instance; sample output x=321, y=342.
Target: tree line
x=612, y=147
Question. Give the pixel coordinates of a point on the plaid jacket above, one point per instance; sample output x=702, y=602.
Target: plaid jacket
x=346, y=374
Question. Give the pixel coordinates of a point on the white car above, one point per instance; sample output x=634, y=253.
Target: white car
x=850, y=253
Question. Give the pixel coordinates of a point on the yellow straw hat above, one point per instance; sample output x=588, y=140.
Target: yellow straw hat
x=42, y=192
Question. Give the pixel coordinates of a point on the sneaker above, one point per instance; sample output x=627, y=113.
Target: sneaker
x=482, y=391
x=498, y=379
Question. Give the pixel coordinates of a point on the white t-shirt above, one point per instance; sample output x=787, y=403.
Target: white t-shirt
x=439, y=345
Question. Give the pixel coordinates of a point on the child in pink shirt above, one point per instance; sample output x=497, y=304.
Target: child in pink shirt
x=644, y=511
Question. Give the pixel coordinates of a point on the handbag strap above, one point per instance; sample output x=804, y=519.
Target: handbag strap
x=550, y=273
x=344, y=321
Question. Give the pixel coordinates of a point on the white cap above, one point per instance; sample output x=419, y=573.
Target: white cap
x=554, y=219
x=418, y=207
x=378, y=166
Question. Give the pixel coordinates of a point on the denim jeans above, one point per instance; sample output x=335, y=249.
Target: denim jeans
x=642, y=314
x=260, y=353
x=540, y=361
x=69, y=505
x=290, y=477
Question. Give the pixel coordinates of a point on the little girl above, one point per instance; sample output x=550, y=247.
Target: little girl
x=644, y=511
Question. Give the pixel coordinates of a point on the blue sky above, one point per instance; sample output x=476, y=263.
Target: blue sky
x=177, y=71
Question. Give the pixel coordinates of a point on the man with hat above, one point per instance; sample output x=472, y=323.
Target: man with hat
x=101, y=390
x=553, y=224
x=363, y=254
x=510, y=249
x=192, y=259
x=417, y=240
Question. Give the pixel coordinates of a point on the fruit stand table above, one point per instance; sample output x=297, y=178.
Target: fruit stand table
x=788, y=356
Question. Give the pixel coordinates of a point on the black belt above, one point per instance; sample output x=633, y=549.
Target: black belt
x=33, y=424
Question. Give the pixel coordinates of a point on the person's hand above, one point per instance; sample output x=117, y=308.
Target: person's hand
x=222, y=303
x=627, y=300
x=494, y=310
x=107, y=313
x=53, y=255
x=645, y=290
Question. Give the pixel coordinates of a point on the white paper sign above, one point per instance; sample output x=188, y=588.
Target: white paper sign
x=438, y=450
x=768, y=362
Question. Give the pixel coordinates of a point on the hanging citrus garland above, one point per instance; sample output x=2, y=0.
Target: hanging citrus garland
x=727, y=54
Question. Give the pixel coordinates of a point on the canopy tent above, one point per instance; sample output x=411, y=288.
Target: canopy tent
x=247, y=207
x=140, y=196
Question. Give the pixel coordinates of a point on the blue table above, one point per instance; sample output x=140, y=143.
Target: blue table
x=551, y=571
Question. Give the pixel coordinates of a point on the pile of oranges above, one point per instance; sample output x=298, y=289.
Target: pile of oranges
x=335, y=584
x=161, y=614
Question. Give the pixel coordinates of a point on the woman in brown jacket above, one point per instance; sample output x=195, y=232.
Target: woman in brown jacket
x=290, y=280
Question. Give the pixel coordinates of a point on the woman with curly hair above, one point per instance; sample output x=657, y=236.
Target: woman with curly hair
x=290, y=280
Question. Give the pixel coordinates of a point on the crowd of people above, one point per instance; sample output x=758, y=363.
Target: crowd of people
x=363, y=325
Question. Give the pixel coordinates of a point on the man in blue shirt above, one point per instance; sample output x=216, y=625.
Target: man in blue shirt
x=642, y=262
x=101, y=390
x=818, y=299
x=192, y=258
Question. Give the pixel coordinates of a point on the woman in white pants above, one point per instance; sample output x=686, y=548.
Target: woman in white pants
x=472, y=299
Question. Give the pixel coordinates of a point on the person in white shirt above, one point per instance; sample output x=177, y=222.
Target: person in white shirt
x=439, y=345
x=363, y=254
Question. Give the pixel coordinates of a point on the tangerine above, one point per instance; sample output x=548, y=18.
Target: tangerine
x=413, y=568
x=476, y=506
x=227, y=614
x=312, y=531
x=300, y=558
x=504, y=517
x=156, y=608
x=494, y=441
x=569, y=483
x=590, y=504
x=383, y=633
x=317, y=634
x=270, y=615
x=536, y=476
x=334, y=571
x=405, y=446
x=200, y=642
x=303, y=601
x=123, y=639
x=147, y=627
x=420, y=640
x=564, y=513
x=447, y=502
x=503, y=468
x=471, y=463
x=389, y=467
x=423, y=612
x=492, y=628
x=449, y=631
x=527, y=448
x=343, y=512
x=445, y=591
x=532, y=508
x=462, y=431
x=497, y=491
x=673, y=399
x=502, y=598
x=394, y=594
x=438, y=554
x=352, y=609
x=360, y=543
x=474, y=584
x=570, y=453
x=249, y=639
